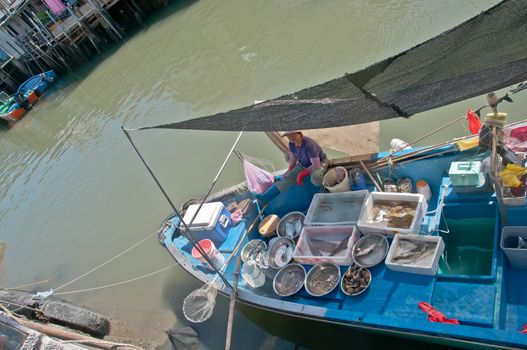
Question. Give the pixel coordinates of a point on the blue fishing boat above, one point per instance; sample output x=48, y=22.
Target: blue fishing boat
x=13, y=108
x=37, y=83
x=474, y=283
x=432, y=244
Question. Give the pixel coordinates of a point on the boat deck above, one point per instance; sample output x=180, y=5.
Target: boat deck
x=474, y=284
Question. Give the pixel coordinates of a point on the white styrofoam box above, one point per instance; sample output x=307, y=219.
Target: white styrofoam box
x=331, y=234
x=509, y=243
x=342, y=208
x=428, y=265
x=366, y=226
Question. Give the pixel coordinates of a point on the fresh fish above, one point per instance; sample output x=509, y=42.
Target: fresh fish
x=290, y=229
x=298, y=227
x=342, y=245
x=279, y=257
x=415, y=254
x=323, y=245
x=367, y=250
x=289, y=253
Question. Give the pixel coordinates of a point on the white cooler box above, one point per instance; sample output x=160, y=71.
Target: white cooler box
x=212, y=222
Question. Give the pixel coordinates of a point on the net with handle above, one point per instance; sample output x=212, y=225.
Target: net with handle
x=198, y=306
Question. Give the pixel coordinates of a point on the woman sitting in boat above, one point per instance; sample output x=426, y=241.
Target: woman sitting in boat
x=305, y=158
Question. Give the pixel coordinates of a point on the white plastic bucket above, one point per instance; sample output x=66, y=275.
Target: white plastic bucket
x=422, y=187
x=216, y=258
x=337, y=180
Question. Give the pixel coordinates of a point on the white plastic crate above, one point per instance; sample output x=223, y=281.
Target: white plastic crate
x=366, y=225
x=427, y=265
x=509, y=243
x=335, y=209
x=330, y=234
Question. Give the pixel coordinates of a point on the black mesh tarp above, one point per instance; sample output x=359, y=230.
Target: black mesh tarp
x=486, y=53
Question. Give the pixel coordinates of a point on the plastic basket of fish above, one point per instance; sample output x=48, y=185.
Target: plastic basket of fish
x=391, y=213
x=415, y=254
x=336, y=209
x=331, y=244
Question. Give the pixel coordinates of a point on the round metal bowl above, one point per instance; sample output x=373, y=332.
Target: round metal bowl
x=370, y=250
x=322, y=279
x=289, y=280
x=288, y=226
x=252, y=248
x=281, y=252
x=355, y=281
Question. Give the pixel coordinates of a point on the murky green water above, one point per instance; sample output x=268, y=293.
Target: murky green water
x=468, y=246
x=73, y=194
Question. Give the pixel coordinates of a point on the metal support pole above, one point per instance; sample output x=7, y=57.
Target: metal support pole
x=186, y=230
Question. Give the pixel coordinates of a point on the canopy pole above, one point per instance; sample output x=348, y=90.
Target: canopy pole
x=278, y=141
x=216, y=178
x=186, y=230
x=494, y=175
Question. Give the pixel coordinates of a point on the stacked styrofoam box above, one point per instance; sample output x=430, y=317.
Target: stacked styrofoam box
x=366, y=226
x=425, y=266
x=332, y=234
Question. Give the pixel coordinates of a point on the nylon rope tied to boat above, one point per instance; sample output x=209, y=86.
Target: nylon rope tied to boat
x=119, y=283
x=105, y=263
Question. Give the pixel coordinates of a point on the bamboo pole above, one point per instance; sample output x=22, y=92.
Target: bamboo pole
x=495, y=181
x=278, y=141
x=407, y=156
x=426, y=135
x=418, y=158
x=370, y=176
x=232, y=304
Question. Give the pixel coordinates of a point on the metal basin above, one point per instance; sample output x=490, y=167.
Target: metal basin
x=355, y=281
x=252, y=249
x=322, y=279
x=281, y=252
x=370, y=250
x=289, y=280
x=291, y=225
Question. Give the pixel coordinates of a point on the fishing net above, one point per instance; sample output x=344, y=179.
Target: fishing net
x=198, y=306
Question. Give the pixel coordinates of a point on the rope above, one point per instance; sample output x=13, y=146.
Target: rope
x=28, y=285
x=116, y=345
x=106, y=262
x=118, y=283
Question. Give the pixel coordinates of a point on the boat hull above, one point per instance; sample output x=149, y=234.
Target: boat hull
x=391, y=305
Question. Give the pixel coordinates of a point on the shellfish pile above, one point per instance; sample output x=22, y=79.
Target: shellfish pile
x=395, y=214
x=356, y=280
